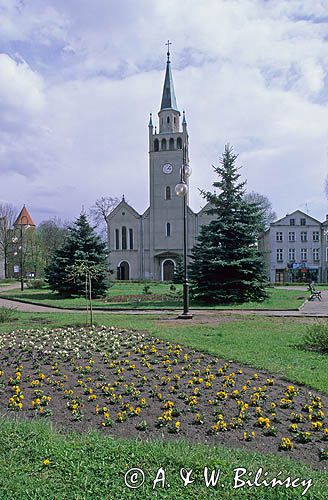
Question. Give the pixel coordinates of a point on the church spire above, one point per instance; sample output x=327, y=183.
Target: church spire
x=168, y=97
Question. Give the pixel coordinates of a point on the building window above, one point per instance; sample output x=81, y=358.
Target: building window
x=117, y=239
x=171, y=144
x=292, y=222
x=179, y=143
x=315, y=254
x=174, y=120
x=124, y=243
x=278, y=236
x=315, y=235
x=303, y=254
x=168, y=119
x=291, y=236
x=168, y=229
x=164, y=144
x=303, y=236
x=167, y=193
x=291, y=254
x=131, y=238
x=156, y=145
x=303, y=222
x=279, y=255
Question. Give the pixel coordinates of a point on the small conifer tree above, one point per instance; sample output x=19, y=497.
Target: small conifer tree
x=81, y=245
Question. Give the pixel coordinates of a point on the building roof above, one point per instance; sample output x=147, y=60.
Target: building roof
x=123, y=205
x=291, y=215
x=24, y=218
x=168, y=98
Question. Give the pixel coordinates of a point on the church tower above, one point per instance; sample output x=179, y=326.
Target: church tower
x=166, y=149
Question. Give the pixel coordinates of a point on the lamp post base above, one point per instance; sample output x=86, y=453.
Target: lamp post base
x=185, y=316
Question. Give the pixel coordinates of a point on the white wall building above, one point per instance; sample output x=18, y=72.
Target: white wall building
x=296, y=249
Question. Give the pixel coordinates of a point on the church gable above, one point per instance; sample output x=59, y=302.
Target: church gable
x=123, y=210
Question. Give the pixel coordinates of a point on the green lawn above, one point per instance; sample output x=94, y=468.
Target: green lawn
x=93, y=466
x=267, y=343
x=278, y=299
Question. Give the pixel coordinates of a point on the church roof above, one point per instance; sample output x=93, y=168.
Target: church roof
x=120, y=206
x=24, y=218
x=168, y=97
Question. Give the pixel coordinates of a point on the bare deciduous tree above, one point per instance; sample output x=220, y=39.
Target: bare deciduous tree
x=101, y=209
x=265, y=208
x=8, y=215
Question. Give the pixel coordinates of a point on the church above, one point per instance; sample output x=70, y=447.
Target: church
x=147, y=246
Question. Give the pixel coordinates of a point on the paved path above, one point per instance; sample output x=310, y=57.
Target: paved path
x=314, y=308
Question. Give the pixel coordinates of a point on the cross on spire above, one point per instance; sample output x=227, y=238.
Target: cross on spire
x=168, y=43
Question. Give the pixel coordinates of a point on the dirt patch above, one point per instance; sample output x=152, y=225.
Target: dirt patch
x=133, y=385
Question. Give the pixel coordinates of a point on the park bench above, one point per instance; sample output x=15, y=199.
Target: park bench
x=315, y=294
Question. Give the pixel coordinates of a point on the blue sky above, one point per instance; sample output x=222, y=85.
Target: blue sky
x=78, y=80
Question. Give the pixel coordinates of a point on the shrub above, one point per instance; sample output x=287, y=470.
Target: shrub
x=316, y=338
x=146, y=290
x=36, y=284
x=7, y=314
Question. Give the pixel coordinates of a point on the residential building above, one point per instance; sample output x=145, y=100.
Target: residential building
x=295, y=248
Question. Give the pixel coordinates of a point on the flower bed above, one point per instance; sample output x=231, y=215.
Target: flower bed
x=130, y=384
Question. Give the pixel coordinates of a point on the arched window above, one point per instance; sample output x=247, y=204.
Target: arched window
x=174, y=120
x=168, y=229
x=163, y=143
x=117, y=239
x=168, y=119
x=171, y=143
x=131, y=238
x=167, y=193
x=124, y=244
x=156, y=145
x=179, y=143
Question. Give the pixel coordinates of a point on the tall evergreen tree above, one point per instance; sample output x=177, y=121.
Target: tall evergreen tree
x=226, y=266
x=81, y=246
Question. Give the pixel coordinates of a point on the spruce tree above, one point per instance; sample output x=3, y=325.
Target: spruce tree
x=226, y=266
x=81, y=246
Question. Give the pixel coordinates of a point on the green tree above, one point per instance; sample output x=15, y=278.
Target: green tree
x=82, y=245
x=226, y=265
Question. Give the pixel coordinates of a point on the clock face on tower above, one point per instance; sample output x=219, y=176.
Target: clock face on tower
x=167, y=168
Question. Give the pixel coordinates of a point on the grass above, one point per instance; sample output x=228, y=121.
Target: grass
x=93, y=466
x=278, y=299
x=263, y=343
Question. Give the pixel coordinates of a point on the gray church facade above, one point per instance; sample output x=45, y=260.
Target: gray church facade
x=147, y=246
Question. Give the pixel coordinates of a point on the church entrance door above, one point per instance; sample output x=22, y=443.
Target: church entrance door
x=123, y=271
x=168, y=270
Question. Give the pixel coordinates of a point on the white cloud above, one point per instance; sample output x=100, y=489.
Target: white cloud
x=74, y=110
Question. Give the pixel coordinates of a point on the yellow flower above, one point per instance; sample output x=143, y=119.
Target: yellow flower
x=46, y=462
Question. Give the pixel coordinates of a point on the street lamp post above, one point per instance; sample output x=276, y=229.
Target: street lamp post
x=21, y=251
x=181, y=189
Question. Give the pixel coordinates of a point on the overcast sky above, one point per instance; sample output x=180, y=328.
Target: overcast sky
x=78, y=79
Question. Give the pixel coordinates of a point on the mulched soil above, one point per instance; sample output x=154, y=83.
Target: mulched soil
x=138, y=379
